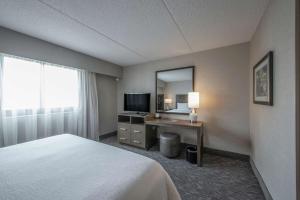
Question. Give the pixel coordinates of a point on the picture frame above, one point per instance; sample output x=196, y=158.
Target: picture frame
x=263, y=81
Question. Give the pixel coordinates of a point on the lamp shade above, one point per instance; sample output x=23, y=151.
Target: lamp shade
x=168, y=100
x=193, y=99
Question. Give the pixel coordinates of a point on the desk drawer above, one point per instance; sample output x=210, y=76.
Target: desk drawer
x=124, y=133
x=137, y=135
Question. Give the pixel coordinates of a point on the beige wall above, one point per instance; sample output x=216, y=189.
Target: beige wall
x=107, y=97
x=18, y=44
x=272, y=129
x=221, y=78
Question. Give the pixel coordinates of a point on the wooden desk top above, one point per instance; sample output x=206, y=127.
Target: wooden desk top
x=174, y=122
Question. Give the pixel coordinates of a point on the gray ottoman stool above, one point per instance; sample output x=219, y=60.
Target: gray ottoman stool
x=169, y=144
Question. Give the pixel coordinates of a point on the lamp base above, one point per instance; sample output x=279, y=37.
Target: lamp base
x=193, y=117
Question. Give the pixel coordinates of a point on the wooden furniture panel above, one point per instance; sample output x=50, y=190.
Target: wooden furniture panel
x=198, y=126
x=132, y=130
x=124, y=133
x=124, y=118
x=140, y=131
x=137, y=135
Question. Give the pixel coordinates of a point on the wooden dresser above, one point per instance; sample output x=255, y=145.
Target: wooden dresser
x=133, y=131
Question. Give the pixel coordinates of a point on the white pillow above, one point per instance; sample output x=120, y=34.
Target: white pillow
x=182, y=106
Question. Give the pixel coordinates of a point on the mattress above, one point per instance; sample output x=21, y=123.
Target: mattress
x=70, y=168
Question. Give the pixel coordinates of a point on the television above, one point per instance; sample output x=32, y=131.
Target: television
x=137, y=102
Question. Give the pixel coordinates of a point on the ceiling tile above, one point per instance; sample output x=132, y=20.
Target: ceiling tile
x=38, y=20
x=208, y=24
x=142, y=25
x=128, y=32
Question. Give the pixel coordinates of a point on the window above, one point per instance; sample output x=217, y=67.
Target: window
x=61, y=87
x=21, y=81
x=35, y=85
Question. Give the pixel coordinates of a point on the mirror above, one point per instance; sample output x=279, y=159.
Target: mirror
x=172, y=87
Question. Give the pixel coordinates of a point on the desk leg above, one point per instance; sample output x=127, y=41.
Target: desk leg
x=200, y=147
x=150, y=136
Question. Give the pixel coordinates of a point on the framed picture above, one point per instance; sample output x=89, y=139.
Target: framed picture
x=263, y=81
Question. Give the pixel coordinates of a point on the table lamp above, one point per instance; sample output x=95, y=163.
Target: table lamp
x=168, y=101
x=193, y=103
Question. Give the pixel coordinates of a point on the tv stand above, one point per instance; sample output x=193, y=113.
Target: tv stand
x=142, y=114
x=135, y=113
x=132, y=130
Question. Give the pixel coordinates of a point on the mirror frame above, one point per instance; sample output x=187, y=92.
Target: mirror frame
x=173, y=69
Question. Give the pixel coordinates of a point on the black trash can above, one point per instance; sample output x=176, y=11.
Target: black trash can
x=191, y=154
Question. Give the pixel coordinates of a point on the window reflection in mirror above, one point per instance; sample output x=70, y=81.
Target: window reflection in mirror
x=172, y=87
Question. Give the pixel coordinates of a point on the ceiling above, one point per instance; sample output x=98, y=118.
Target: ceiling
x=128, y=32
x=176, y=75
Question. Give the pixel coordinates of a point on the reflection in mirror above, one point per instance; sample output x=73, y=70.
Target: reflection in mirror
x=172, y=87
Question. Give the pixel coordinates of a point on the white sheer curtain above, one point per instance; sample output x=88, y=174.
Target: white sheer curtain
x=1, y=95
x=65, y=101
x=88, y=118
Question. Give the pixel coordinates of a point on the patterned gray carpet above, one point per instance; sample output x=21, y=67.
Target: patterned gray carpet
x=219, y=178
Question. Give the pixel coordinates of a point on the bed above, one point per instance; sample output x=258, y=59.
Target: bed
x=69, y=167
x=180, y=108
x=181, y=105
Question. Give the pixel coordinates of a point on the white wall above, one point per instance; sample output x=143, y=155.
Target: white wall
x=18, y=44
x=273, y=128
x=221, y=78
x=107, y=97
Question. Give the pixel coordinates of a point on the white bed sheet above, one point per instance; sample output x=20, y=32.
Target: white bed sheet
x=69, y=167
x=179, y=111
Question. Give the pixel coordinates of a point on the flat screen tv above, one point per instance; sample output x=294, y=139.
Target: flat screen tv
x=137, y=102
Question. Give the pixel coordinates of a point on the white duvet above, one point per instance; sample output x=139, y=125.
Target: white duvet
x=69, y=167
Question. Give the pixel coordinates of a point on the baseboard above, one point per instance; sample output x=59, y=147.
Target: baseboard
x=107, y=135
x=261, y=181
x=229, y=154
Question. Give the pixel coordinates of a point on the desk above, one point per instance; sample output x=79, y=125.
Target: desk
x=183, y=123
